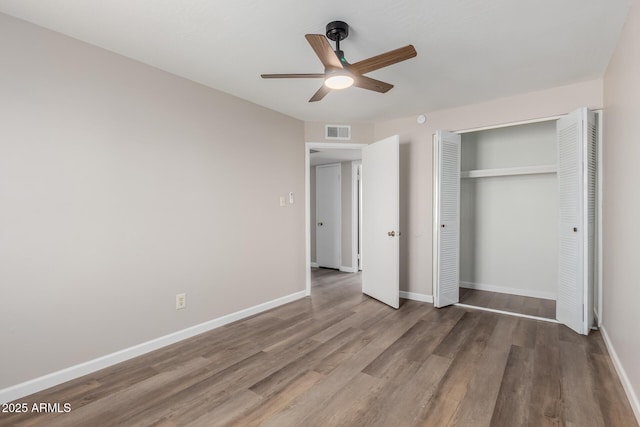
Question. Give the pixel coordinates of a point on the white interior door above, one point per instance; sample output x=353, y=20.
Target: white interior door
x=446, y=218
x=577, y=192
x=380, y=221
x=328, y=216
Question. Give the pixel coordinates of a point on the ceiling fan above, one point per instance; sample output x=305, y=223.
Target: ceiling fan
x=338, y=73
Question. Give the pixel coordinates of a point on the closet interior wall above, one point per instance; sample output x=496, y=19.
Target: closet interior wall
x=509, y=210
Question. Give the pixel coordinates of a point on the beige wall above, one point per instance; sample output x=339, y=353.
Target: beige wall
x=121, y=186
x=621, y=201
x=416, y=161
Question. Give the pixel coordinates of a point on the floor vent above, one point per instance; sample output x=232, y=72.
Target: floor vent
x=337, y=132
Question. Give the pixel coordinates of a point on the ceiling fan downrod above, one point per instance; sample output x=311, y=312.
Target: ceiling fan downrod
x=337, y=31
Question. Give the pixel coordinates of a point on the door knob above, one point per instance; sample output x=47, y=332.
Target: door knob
x=575, y=229
x=320, y=224
x=391, y=234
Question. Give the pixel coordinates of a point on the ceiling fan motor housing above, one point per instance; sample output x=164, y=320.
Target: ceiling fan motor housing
x=337, y=30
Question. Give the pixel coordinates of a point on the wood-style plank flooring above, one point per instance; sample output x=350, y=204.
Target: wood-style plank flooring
x=342, y=359
x=513, y=303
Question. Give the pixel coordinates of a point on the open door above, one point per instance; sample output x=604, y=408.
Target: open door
x=380, y=221
x=446, y=218
x=576, y=135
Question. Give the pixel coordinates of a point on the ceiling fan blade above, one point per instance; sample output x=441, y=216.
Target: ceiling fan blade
x=321, y=93
x=383, y=60
x=365, y=82
x=292, y=76
x=323, y=49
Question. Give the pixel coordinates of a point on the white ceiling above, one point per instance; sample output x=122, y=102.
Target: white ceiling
x=468, y=51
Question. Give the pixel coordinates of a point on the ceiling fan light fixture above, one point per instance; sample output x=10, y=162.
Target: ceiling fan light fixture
x=341, y=79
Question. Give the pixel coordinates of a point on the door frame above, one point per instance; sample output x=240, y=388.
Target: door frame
x=356, y=214
x=307, y=182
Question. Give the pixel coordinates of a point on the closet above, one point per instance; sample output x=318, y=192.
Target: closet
x=514, y=213
x=508, y=195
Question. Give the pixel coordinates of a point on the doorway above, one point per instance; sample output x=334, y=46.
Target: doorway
x=349, y=155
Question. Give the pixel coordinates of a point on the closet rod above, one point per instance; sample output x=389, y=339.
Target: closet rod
x=521, y=122
x=506, y=125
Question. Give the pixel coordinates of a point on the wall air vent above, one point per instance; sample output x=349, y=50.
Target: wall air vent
x=337, y=132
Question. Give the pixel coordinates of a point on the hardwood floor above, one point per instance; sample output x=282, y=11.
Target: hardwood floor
x=512, y=303
x=342, y=359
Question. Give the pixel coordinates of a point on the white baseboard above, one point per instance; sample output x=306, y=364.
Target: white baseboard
x=416, y=297
x=622, y=374
x=511, y=291
x=314, y=265
x=348, y=269
x=37, y=384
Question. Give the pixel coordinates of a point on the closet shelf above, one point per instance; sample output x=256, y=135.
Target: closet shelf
x=523, y=170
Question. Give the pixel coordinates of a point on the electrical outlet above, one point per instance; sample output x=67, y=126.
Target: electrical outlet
x=181, y=301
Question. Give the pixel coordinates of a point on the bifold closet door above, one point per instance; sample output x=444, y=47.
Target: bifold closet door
x=446, y=218
x=577, y=201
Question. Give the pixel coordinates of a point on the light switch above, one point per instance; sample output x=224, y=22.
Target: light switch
x=283, y=201
x=181, y=301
